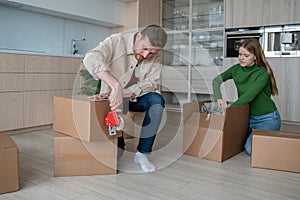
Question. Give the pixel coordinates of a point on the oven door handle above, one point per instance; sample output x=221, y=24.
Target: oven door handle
x=243, y=36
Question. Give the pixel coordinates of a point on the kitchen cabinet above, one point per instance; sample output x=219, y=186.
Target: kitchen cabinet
x=278, y=12
x=140, y=13
x=296, y=13
x=194, y=51
x=286, y=71
x=28, y=84
x=12, y=111
x=245, y=13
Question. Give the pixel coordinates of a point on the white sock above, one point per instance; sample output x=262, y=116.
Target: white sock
x=143, y=161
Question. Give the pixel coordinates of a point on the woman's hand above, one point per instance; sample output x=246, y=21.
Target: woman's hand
x=222, y=103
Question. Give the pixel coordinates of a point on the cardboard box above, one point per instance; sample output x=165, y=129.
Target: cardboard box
x=9, y=164
x=138, y=118
x=214, y=137
x=82, y=118
x=73, y=157
x=129, y=124
x=276, y=150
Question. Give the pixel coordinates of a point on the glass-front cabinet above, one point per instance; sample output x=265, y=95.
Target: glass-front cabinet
x=194, y=52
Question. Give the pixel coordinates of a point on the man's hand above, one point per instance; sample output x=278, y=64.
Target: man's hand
x=116, y=96
x=103, y=96
x=127, y=93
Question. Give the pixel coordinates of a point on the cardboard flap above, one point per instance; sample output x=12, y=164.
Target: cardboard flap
x=81, y=116
x=276, y=133
x=99, y=111
x=190, y=130
x=61, y=104
x=210, y=140
x=6, y=141
x=210, y=121
x=237, y=119
x=189, y=108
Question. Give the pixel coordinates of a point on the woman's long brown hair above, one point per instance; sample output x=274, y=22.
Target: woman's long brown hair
x=252, y=45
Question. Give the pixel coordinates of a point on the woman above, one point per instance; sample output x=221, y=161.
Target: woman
x=255, y=83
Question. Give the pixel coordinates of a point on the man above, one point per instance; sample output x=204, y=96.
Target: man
x=129, y=66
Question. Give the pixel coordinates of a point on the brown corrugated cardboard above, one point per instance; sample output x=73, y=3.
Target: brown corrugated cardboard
x=82, y=118
x=276, y=150
x=9, y=164
x=73, y=157
x=129, y=124
x=214, y=137
x=138, y=118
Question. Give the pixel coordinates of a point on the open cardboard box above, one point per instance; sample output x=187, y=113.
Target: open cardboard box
x=9, y=164
x=74, y=157
x=81, y=117
x=276, y=150
x=214, y=137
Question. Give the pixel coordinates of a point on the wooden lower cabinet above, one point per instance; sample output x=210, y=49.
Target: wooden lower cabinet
x=28, y=84
x=38, y=107
x=12, y=110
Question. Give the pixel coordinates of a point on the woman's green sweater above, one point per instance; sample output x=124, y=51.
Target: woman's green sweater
x=253, y=87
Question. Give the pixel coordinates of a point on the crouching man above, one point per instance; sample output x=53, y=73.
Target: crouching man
x=129, y=66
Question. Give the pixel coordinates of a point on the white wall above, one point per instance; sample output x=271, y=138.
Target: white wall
x=33, y=32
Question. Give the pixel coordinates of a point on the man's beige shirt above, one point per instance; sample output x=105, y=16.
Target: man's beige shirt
x=115, y=54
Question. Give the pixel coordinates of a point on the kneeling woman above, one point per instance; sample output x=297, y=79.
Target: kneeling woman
x=255, y=83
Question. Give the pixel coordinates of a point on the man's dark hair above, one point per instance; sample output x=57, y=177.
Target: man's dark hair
x=156, y=34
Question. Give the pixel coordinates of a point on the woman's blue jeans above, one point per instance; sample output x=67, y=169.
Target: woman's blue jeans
x=153, y=104
x=269, y=121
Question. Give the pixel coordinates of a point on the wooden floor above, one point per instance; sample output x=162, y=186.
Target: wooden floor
x=184, y=177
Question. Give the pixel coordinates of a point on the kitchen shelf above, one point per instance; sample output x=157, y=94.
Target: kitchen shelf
x=195, y=38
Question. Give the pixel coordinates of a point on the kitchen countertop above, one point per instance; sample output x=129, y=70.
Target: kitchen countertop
x=39, y=53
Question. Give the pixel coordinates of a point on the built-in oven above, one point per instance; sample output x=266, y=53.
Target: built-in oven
x=234, y=37
x=282, y=41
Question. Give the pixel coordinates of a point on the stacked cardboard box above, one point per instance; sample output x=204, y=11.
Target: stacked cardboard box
x=9, y=164
x=276, y=150
x=82, y=118
x=74, y=157
x=214, y=137
x=83, y=145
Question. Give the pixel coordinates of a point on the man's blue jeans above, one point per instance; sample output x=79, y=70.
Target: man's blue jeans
x=269, y=121
x=153, y=104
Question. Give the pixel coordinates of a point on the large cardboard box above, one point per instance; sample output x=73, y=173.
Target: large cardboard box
x=9, y=164
x=276, y=150
x=214, y=137
x=138, y=118
x=73, y=157
x=81, y=117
